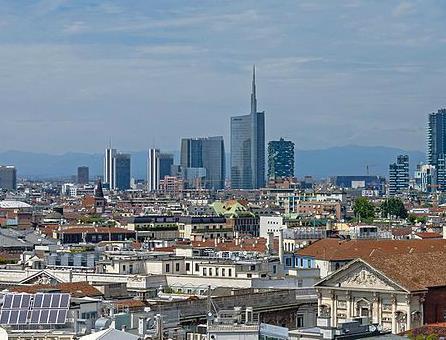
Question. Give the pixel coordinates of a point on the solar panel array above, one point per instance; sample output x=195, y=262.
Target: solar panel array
x=40, y=308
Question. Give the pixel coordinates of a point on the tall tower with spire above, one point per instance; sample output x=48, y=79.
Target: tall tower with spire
x=248, y=146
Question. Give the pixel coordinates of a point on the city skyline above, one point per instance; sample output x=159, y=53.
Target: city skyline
x=375, y=65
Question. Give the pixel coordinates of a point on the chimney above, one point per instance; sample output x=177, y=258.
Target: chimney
x=270, y=242
x=281, y=246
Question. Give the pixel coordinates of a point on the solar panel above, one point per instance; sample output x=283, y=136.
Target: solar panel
x=41, y=308
x=7, y=301
x=62, y=316
x=65, y=301
x=38, y=300
x=44, y=316
x=56, y=301
x=4, y=317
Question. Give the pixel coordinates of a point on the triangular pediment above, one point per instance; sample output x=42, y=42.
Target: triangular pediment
x=359, y=275
x=42, y=277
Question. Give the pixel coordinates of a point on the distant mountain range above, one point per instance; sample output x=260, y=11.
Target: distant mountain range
x=343, y=160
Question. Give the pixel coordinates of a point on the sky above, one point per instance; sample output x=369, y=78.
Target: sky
x=74, y=74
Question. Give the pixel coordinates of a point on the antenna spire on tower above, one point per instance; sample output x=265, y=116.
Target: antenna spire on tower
x=253, y=91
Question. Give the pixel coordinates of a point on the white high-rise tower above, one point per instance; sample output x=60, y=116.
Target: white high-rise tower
x=153, y=169
x=109, y=167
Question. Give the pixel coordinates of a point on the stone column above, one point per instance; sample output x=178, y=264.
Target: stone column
x=409, y=312
x=375, y=308
x=393, y=299
x=349, y=304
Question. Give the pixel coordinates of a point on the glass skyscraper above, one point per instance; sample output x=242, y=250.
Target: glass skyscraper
x=204, y=157
x=248, y=147
x=122, y=171
x=280, y=159
x=436, y=146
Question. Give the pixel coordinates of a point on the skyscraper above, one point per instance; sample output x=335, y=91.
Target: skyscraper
x=166, y=162
x=399, y=175
x=280, y=159
x=121, y=171
x=436, y=146
x=248, y=146
x=8, y=177
x=153, y=169
x=83, y=175
x=109, y=166
x=204, y=158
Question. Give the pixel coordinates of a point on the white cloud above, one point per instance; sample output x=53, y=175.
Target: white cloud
x=403, y=9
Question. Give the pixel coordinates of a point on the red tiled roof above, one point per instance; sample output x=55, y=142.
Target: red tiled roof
x=342, y=250
x=76, y=289
x=413, y=271
x=132, y=304
x=438, y=329
x=426, y=234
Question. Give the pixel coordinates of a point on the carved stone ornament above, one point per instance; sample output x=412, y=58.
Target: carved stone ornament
x=362, y=278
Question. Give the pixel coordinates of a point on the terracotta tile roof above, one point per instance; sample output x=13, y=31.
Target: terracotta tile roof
x=426, y=234
x=76, y=289
x=414, y=271
x=338, y=250
x=401, y=231
x=131, y=304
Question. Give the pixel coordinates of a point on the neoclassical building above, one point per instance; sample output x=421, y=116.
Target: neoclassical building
x=396, y=292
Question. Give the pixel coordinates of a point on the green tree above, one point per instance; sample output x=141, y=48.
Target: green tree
x=393, y=207
x=364, y=210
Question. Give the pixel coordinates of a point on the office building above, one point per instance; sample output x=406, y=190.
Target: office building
x=426, y=178
x=248, y=147
x=8, y=177
x=153, y=169
x=203, y=162
x=83, y=175
x=436, y=146
x=109, y=166
x=280, y=159
x=166, y=161
x=121, y=171
x=399, y=175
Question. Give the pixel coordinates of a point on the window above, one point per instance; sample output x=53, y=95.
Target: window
x=131, y=269
x=123, y=267
x=274, y=269
x=253, y=267
x=300, y=283
x=299, y=320
x=167, y=267
x=204, y=271
x=222, y=272
x=210, y=271
x=197, y=268
x=177, y=267
x=230, y=272
x=187, y=266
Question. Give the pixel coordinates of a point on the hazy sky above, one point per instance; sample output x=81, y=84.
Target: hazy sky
x=74, y=73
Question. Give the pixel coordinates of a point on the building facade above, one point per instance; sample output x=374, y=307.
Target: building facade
x=280, y=159
x=399, y=175
x=83, y=175
x=248, y=147
x=166, y=162
x=203, y=162
x=8, y=177
x=153, y=170
x=121, y=171
x=109, y=167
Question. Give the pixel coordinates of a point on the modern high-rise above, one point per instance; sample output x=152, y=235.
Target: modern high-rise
x=8, y=177
x=109, y=166
x=83, y=175
x=153, y=169
x=399, y=175
x=248, y=147
x=436, y=145
x=121, y=171
x=280, y=159
x=166, y=162
x=426, y=178
x=203, y=161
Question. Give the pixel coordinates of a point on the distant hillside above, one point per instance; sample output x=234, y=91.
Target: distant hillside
x=344, y=160
x=351, y=160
